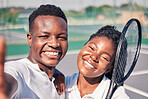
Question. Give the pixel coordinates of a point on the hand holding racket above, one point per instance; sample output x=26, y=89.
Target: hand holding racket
x=127, y=54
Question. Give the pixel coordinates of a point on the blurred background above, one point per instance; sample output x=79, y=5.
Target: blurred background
x=84, y=18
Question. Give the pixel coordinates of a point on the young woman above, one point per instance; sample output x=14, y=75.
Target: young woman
x=95, y=62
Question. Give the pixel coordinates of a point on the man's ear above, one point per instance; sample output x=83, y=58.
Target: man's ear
x=109, y=69
x=29, y=38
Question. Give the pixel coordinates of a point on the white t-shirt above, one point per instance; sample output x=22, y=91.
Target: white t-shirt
x=99, y=93
x=32, y=82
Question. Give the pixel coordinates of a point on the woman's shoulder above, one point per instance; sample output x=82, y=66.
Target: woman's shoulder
x=71, y=81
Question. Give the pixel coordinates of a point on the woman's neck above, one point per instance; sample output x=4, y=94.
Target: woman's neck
x=88, y=85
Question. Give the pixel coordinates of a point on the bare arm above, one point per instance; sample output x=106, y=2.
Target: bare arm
x=59, y=81
x=8, y=84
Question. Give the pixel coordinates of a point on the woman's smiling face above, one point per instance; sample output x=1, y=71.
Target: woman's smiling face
x=96, y=57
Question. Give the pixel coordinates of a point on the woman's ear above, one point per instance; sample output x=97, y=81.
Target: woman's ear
x=29, y=38
x=109, y=69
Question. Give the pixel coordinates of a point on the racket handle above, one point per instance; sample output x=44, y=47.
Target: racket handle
x=109, y=93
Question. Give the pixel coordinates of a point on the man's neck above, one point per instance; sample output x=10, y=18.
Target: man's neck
x=48, y=70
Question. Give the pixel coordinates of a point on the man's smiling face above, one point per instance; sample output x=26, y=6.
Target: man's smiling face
x=47, y=40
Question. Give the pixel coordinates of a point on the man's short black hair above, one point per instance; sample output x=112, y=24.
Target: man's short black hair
x=46, y=10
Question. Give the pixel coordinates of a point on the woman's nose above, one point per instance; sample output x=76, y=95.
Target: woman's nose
x=94, y=57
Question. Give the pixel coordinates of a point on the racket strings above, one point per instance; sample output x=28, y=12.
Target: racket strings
x=127, y=52
x=132, y=40
x=120, y=68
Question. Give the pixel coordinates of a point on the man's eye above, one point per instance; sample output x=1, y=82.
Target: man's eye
x=62, y=38
x=43, y=36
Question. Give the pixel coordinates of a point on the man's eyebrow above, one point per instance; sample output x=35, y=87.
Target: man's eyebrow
x=46, y=32
x=59, y=33
x=43, y=33
x=65, y=33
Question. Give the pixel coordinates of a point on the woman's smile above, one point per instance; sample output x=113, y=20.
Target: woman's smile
x=88, y=65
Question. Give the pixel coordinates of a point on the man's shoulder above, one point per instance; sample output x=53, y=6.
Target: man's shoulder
x=16, y=65
x=17, y=62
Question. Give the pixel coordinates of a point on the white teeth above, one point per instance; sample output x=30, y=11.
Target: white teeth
x=51, y=53
x=88, y=64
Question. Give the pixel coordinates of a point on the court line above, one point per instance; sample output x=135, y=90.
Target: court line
x=136, y=90
x=139, y=72
x=15, y=34
x=15, y=57
x=144, y=46
x=144, y=51
x=73, y=52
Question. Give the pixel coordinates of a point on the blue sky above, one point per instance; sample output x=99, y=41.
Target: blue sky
x=68, y=4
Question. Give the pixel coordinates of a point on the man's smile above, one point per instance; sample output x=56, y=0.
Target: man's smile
x=52, y=54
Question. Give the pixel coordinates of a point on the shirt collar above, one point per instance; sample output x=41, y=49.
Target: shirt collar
x=100, y=91
x=100, y=88
x=32, y=65
x=36, y=67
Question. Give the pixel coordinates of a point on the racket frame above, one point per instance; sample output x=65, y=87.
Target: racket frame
x=114, y=85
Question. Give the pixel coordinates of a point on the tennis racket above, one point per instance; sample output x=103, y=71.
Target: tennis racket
x=127, y=54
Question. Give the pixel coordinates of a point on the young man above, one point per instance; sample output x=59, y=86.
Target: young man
x=32, y=77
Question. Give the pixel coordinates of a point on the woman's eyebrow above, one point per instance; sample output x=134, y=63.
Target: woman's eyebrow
x=94, y=44
x=104, y=52
x=108, y=54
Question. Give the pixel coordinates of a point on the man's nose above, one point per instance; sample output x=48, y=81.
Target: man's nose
x=53, y=42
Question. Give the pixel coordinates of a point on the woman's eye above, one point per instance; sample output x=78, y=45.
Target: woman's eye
x=91, y=48
x=105, y=58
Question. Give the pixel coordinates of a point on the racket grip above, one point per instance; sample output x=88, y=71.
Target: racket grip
x=109, y=93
